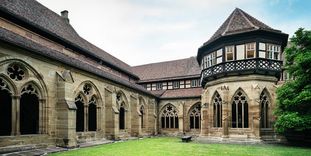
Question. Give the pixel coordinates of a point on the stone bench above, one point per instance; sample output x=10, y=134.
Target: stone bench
x=186, y=138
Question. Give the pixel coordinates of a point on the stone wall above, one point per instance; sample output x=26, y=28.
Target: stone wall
x=58, y=86
x=252, y=86
x=183, y=107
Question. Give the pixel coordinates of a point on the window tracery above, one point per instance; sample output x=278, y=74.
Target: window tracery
x=4, y=85
x=264, y=105
x=87, y=89
x=217, y=108
x=16, y=72
x=195, y=117
x=169, y=117
x=240, y=110
x=29, y=89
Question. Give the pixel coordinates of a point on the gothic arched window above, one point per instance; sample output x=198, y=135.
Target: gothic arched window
x=239, y=110
x=29, y=110
x=264, y=110
x=169, y=117
x=195, y=116
x=79, y=101
x=122, y=116
x=92, y=119
x=217, y=110
x=5, y=109
x=142, y=112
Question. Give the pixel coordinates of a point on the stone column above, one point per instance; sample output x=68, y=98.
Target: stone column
x=15, y=115
x=204, y=113
x=115, y=118
x=254, y=110
x=42, y=116
x=181, y=118
x=225, y=111
x=86, y=117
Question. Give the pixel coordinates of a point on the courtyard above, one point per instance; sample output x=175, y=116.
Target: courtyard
x=171, y=146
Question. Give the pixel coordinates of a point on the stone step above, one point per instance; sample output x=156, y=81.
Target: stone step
x=17, y=148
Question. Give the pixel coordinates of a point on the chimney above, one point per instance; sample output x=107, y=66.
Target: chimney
x=64, y=15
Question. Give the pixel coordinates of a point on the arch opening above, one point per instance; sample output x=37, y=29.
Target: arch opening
x=239, y=110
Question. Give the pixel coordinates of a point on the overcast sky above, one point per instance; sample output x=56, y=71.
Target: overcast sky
x=146, y=31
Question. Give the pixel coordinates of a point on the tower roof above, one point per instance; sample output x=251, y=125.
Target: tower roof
x=239, y=22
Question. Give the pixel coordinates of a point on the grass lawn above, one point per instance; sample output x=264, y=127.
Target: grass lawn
x=169, y=146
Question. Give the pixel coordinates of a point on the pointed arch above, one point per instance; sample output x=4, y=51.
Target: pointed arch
x=88, y=101
x=169, y=116
x=31, y=70
x=239, y=109
x=121, y=98
x=5, y=107
x=7, y=84
x=265, y=104
x=195, y=116
x=80, y=102
x=217, y=109
x=142, y=112
x=92, y=114
x=30, y=108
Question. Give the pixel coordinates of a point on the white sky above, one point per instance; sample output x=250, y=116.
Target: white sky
x=146, y=31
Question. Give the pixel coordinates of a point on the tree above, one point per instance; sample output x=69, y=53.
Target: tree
x=294, y=97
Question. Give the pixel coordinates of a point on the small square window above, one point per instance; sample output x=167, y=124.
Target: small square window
x=176, y=84
x=159, y=86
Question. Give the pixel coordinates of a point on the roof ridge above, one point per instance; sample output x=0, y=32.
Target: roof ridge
x=230, y=20
x=243, y=15
x=244, y=23
x=163, y=62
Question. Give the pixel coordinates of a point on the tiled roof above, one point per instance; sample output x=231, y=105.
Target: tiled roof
x=239, y=22
x=183, y=68
x=22, y=42
x=43, y=19
x=180, y=93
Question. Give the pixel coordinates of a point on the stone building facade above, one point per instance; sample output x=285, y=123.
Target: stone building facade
x=56, y=88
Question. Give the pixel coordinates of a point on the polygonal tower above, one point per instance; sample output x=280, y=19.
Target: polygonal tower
x=241, y=64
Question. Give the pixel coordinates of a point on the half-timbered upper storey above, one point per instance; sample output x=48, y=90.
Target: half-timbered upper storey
x=242, y=45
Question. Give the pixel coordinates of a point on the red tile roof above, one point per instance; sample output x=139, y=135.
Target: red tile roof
x=43, y=20
x=179, y=93
x=177, y=69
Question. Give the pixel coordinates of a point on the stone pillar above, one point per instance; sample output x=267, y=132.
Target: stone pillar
x=42, y=116
x=115, y=118
x=225, y=111
x=204, y=113
x=135, y=117
x=204, y=120
x=15, y=115
x=181, y=118
x=254, y=110
x=66, y=114
x=86, y=114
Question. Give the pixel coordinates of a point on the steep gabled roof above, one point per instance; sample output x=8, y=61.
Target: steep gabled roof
x=239, y=22
x=40, y=17
x=16, y=40
x=183, y=68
